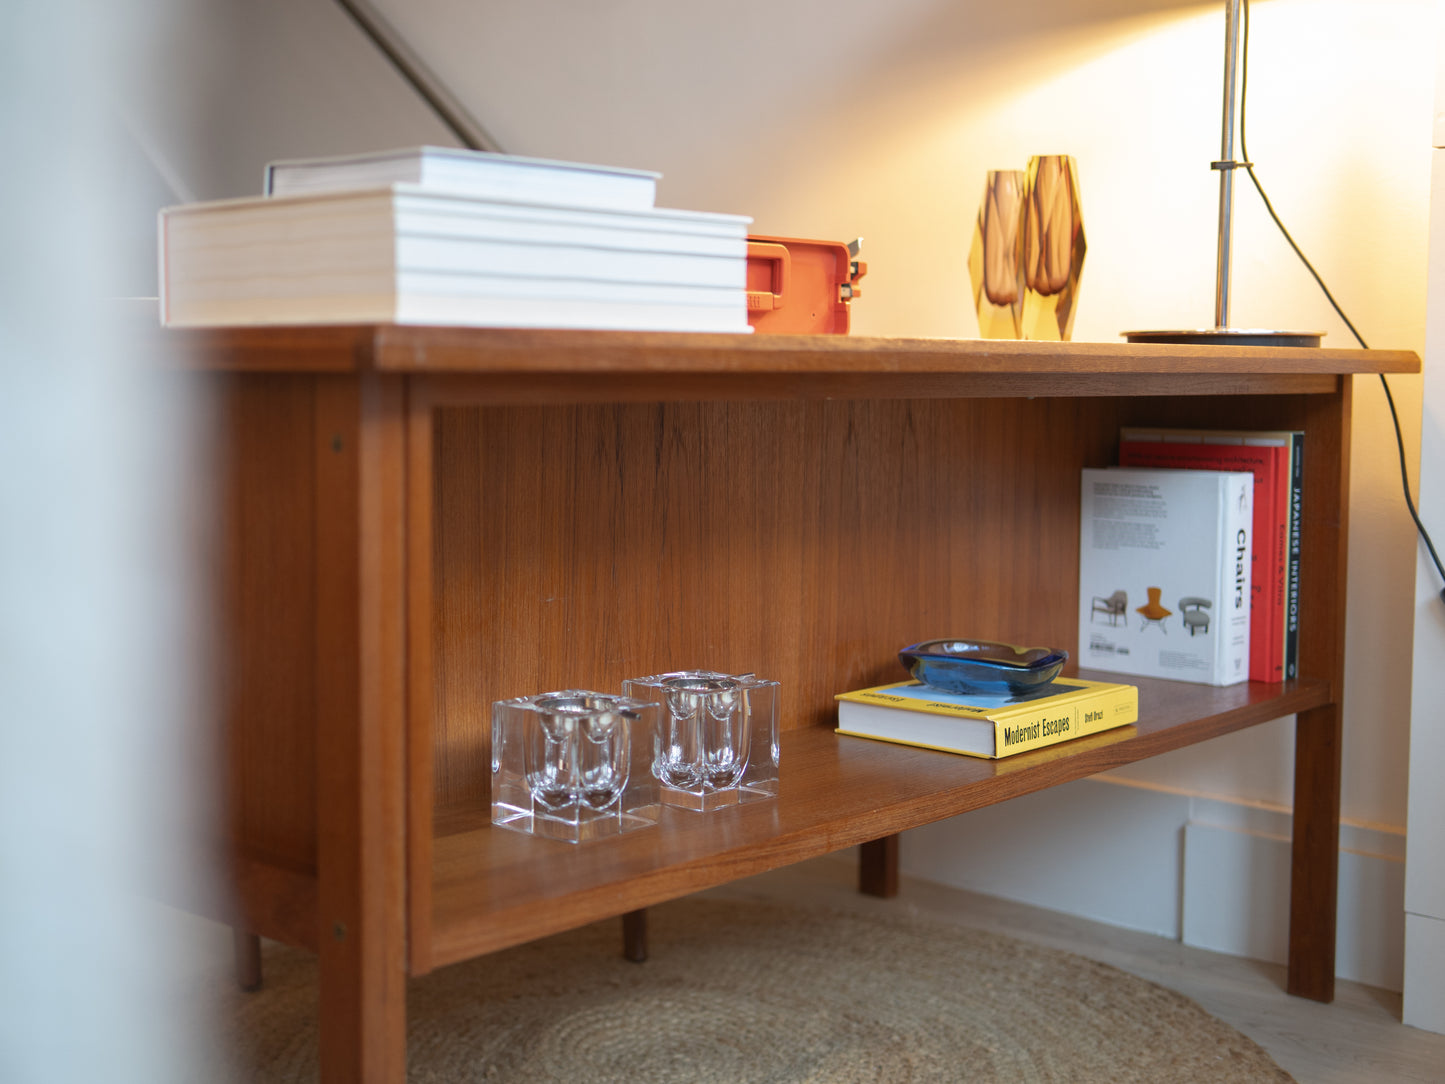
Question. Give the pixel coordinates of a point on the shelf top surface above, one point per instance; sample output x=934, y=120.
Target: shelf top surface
x=525, y=352
x=490, y=884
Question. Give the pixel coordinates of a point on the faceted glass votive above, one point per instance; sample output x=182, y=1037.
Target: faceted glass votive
x=995, y=260
x=1053, y=248
x=717, y=740
x=574, y=765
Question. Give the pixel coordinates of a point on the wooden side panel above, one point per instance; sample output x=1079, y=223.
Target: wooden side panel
x=1318, y=732
x=313, y=629
x=266, y=622
x=1325, y=534
x=1314, y=876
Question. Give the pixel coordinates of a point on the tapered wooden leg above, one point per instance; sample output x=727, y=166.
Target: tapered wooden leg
x=1314, y=869
x=248, y=959
x=878, y=867
x=634, y=935
x=361, y=712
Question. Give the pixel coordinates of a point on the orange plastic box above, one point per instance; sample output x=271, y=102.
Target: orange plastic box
x=801, y=287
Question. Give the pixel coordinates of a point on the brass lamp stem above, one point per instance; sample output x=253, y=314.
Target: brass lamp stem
x=1226, y=164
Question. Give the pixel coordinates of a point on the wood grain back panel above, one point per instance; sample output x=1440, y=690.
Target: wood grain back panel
x=461, y=709
x=578, y=545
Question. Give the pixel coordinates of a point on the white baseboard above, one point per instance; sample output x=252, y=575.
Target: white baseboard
x=1236, y=900
x=1102, y=852
x=1213, y=873
x=1424, y=979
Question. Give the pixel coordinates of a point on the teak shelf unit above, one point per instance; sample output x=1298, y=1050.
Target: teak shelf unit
x=415, y=522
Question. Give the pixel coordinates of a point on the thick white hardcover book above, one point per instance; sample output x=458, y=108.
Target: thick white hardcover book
x=408, y=254
x=1164, y=573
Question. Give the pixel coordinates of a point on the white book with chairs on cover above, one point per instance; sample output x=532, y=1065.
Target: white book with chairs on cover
x=1164, y=573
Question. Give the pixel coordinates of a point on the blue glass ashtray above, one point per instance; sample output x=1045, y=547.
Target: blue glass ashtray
x=981, y=666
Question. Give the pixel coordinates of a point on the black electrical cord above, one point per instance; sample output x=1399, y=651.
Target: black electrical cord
x=1390, y=399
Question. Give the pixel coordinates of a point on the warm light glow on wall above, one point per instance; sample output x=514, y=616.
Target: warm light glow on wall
x=1338, y=125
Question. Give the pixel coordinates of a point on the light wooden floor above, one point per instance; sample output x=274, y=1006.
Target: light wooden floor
x=1358, y=1039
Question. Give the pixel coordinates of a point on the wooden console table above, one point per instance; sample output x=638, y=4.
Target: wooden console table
x=415, y=522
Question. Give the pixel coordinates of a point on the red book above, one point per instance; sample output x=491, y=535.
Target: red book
x=1268, y=457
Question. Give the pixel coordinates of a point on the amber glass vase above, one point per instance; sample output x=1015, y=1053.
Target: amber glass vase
x=995, y=261
x=1053, y=248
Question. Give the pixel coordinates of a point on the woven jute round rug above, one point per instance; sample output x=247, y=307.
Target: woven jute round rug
x=747, y=993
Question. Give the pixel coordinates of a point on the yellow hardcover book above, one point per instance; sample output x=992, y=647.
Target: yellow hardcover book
x=985, y=725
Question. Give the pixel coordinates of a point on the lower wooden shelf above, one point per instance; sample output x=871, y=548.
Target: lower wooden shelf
x=493, y=888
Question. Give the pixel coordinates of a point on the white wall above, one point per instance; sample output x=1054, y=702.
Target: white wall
x=848, y=117
x=1425, y=868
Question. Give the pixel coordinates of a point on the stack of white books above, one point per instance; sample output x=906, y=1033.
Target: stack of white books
x=431, y=235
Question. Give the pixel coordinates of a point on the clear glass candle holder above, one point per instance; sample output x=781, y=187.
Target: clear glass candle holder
x=574, y=765
x=718, y=737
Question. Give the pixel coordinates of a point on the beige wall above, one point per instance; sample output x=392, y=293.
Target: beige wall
x=849, y=117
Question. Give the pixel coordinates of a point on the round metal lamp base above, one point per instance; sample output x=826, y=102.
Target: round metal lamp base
x=1227, y=336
